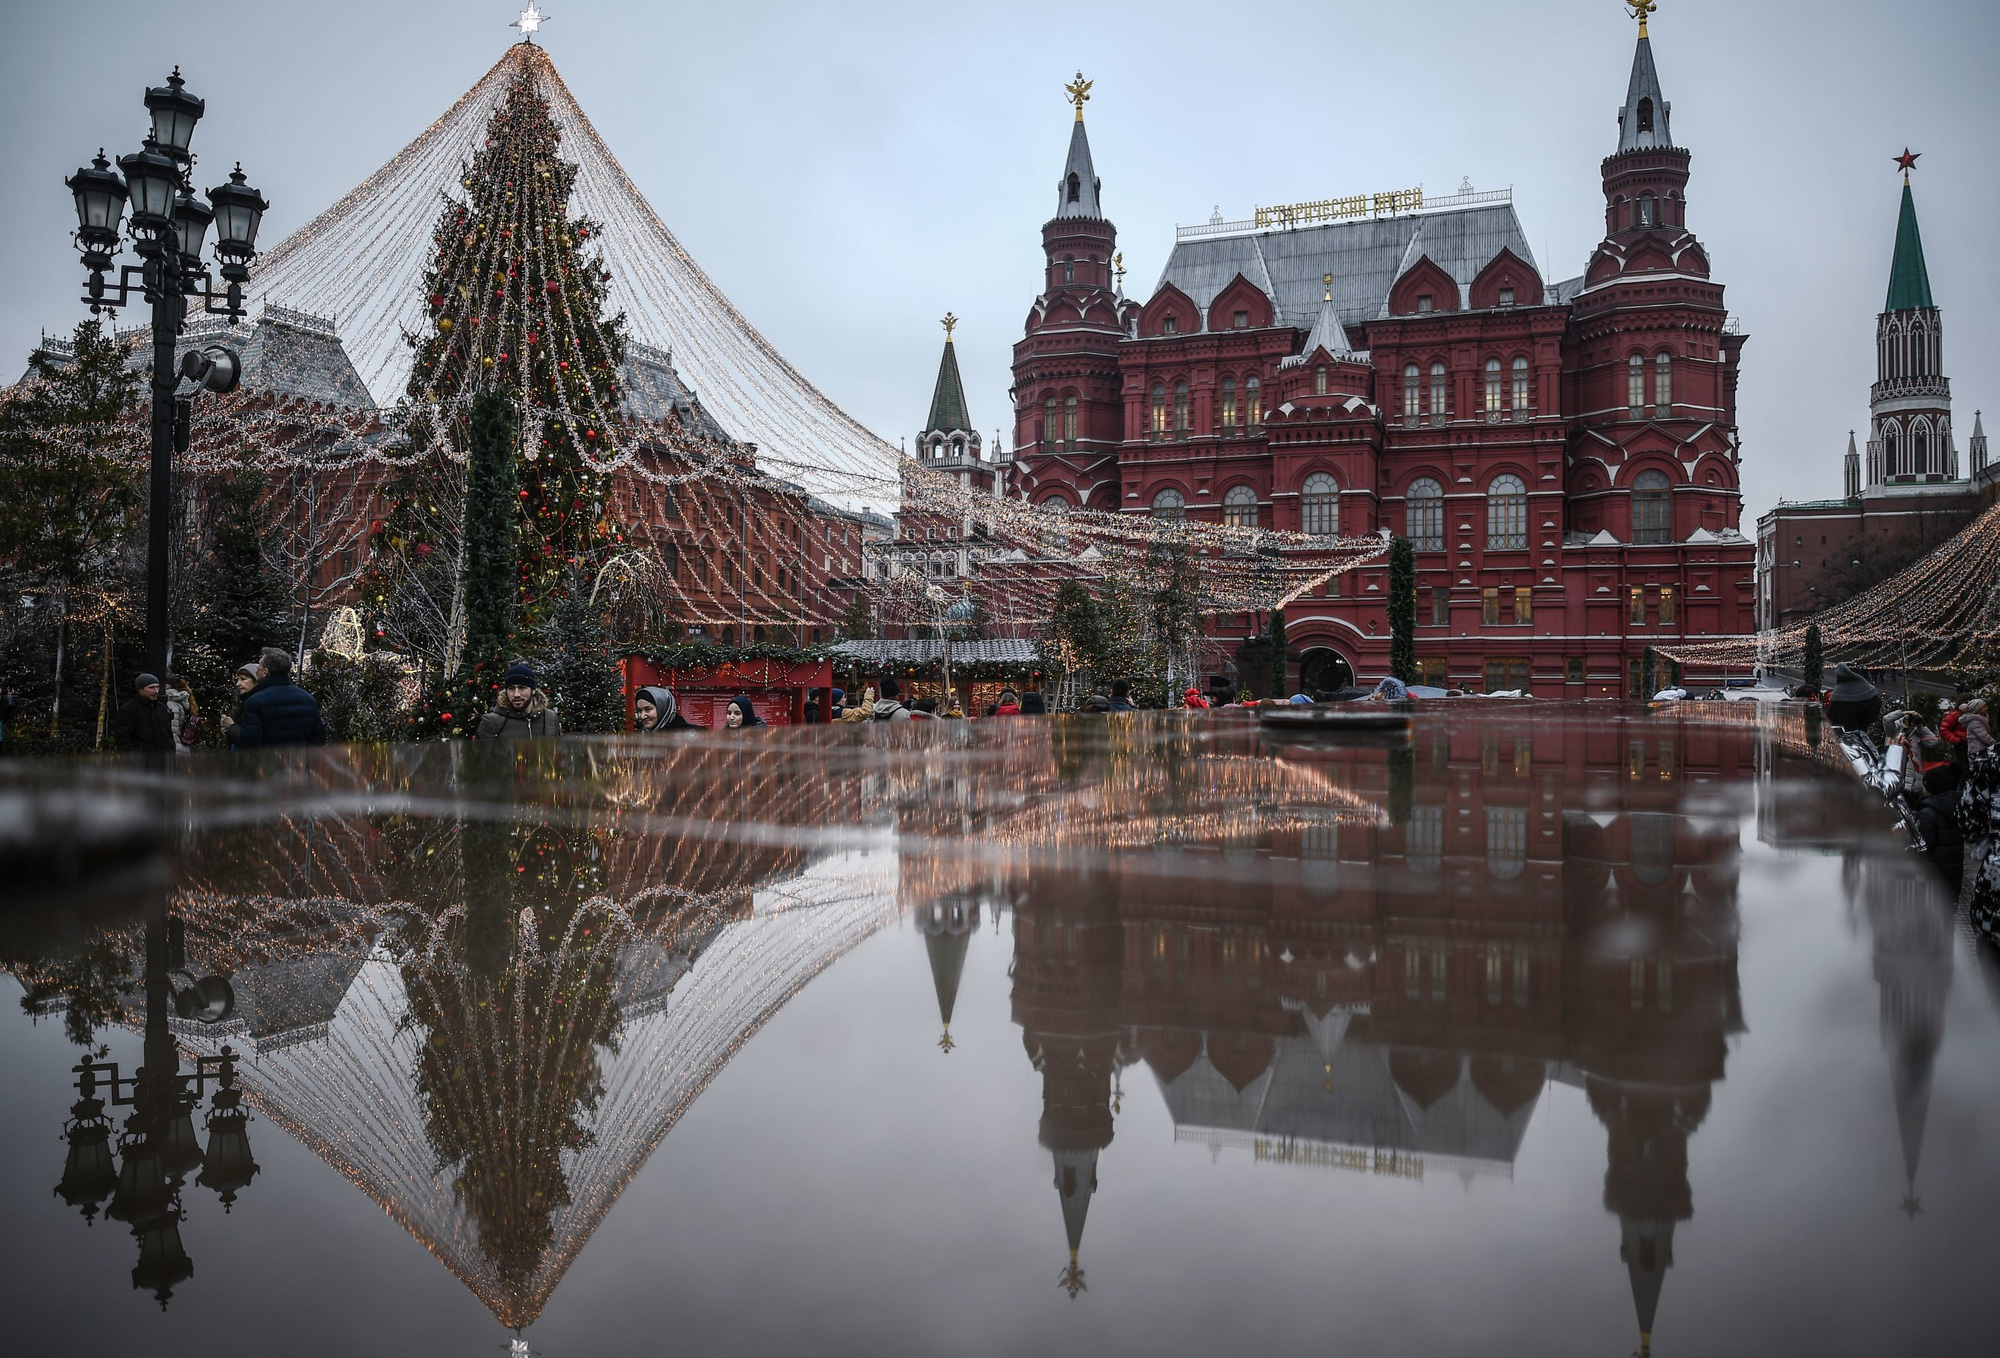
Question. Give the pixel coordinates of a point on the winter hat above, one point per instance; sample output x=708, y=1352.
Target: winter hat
x=248, y=667
x=890, y=688
x=520, y=672
x=145, y=681
x=1849, y=687
x=1301, y=700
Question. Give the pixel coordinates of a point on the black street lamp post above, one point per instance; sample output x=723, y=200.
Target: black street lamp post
x=167, y=229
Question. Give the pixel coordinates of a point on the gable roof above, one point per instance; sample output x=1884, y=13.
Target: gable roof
x=1365, y=257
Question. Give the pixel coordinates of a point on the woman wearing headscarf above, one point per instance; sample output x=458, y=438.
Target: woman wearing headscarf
x=654, y=709
x=740, y=713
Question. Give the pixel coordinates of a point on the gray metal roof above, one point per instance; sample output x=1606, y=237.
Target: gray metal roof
x=1365, y=257
x=1078, y=164
x=285, y=353
x=648, y=388
x=1645, y=85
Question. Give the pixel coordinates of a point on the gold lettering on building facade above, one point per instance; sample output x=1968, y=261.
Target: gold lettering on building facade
x=1342, y=209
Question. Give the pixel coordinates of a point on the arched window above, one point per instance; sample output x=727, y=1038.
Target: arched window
x=937, y=447
x=1920, y=448
x=1159, y=409
x=958, y=448
x=1506, y=842
x=1069, y=422
x=1075, y=188
x=1424, y=515
x=1646, y=209
x=1506, y=513
x=1892, y=447
x=1493, y=391
x=1663, y=383
x=1239, y=507
x=1180, y=408
x=1437, y=393
x=1635, y=385
x=1319, y=505
x=1652, y=508
x=1521, y=397
x=1069, y=268
x=1412, y=396
x=1319, y=380
x=1050, y=433
x=1228, y=405
x=1171, y=506
x=1645, y=125
x=1253, y=402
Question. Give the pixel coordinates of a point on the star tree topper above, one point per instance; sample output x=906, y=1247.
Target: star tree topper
x=530, y=20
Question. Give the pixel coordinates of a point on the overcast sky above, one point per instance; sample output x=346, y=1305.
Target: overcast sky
x=849, y=172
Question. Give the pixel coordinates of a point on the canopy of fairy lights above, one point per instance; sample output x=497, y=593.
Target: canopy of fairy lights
x=728, y=507
x=1942, y=613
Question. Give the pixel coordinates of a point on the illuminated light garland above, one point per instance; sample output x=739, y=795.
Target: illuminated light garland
x=1941, y=612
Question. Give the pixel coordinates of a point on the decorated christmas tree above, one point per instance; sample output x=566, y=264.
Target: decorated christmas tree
x=515, y=312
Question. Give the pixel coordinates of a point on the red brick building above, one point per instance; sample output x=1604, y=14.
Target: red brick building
x=1563, y=454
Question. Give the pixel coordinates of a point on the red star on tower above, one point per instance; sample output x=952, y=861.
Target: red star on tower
x=1908, y=161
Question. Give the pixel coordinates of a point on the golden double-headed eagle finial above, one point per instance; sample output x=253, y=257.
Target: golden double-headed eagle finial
x=1640, y=9
x=1079, y=92
x=949, y=323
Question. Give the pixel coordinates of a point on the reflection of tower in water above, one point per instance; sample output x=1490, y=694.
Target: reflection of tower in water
x=1066, y=970
x=1910, y=913
x=948, y=925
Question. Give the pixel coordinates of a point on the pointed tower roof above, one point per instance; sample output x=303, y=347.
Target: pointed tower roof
x=948, y=397
x=947, y=949
x=1076, y=192
x=1327, y=332
x=1642, y=123
x=1909, y=280
x=1648, y=1251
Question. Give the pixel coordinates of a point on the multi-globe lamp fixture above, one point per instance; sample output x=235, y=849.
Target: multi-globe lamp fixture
x=167, y=228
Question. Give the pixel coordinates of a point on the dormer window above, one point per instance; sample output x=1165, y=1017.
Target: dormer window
x=1242, y=321
x=1506, y=297
x=1170, y=326
x=1076, y=186
x=1425, y=304
x=1645, y=122
x=1319, y=381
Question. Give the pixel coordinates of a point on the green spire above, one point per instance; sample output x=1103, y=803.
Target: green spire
x=1909, y=280
x=948, y=400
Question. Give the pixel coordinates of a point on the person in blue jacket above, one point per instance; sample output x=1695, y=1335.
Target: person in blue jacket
x=277, y=711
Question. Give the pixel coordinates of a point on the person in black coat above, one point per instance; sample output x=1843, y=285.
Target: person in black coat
x=145, y=722
x=278, y=711
x=1938, y=821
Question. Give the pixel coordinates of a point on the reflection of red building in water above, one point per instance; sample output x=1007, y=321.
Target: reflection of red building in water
x=1563, y=454
x=1392, y=996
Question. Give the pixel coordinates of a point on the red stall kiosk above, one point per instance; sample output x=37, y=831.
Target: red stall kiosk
x=777, y=689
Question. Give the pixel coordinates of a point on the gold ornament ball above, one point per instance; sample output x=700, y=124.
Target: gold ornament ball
x=485, y=362
x=444, y=324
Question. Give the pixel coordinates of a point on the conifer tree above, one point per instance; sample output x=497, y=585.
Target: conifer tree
x=1814, y=664
x=1280, y=678
x=515, y=302
x=1403, y=610
x=578, y=669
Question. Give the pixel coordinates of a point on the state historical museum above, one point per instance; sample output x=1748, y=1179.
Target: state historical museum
x=1564, y=455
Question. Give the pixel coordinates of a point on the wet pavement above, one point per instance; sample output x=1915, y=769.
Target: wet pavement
x=1560, y=1029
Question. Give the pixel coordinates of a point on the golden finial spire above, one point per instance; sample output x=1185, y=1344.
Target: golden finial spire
x=1329, y=287
x=950, y=322
x=1118, y=262
x=1072, y=1278
x=1079, y=91
x=945, y=1044
x=1640, y=9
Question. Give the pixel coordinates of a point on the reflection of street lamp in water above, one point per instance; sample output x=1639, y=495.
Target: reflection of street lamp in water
x=158, y=1147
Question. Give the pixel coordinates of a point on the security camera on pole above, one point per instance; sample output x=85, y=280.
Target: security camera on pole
x=167, y=228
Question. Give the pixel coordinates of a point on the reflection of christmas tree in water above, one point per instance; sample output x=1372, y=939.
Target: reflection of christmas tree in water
x=509, y=1074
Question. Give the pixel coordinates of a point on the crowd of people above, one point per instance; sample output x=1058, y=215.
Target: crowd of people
x=162, y=716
